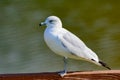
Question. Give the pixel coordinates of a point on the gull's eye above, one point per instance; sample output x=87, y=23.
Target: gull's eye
x=51, y=21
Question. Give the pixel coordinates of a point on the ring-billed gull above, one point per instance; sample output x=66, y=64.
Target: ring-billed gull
x=66, y=44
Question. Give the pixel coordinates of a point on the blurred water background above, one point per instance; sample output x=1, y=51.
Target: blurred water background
x=22, y=47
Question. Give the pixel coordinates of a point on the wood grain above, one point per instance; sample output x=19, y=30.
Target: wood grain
x=84, y=75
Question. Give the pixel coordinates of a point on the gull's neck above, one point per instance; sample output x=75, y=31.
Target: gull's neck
x=53, y=29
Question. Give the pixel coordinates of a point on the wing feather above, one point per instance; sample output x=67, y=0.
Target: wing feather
x=76, y=46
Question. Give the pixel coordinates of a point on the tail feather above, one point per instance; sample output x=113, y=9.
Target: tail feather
x=104, y=65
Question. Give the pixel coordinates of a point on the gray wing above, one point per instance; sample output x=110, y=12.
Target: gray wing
x=76, y=46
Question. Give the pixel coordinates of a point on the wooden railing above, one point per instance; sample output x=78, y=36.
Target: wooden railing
x=84, y=75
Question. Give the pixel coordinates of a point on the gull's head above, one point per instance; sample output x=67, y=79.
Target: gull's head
x=52, y=21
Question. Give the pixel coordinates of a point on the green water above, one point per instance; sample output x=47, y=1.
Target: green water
x=22, y=47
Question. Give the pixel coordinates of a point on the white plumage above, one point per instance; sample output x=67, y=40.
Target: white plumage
x=64, y=43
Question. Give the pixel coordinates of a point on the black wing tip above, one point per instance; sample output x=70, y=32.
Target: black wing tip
x=104, y=65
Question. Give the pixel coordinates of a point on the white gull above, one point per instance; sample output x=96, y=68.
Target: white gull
x=66, y=44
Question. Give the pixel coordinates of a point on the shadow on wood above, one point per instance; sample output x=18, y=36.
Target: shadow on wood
x=87, y=75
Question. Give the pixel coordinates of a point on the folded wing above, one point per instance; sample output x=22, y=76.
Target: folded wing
x=76, y=46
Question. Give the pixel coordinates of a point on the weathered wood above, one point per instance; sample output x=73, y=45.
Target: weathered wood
x=86, y=75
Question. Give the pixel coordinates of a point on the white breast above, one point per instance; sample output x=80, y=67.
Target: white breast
x=51, y=39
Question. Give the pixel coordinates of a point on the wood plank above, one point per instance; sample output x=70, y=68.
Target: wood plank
x=84, y=75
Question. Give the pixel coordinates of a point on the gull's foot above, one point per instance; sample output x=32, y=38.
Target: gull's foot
x=62, y=73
